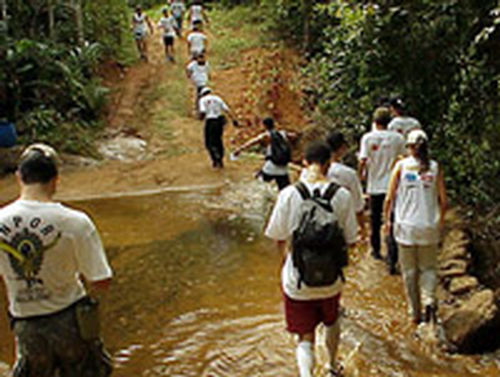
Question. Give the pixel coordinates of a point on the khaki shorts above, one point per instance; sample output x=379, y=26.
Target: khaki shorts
x=51, y=346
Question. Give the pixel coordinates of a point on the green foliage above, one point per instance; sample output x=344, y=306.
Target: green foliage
x=48, y=75
x=441, y=57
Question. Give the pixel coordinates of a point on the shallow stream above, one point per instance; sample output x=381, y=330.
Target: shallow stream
x=196, y=293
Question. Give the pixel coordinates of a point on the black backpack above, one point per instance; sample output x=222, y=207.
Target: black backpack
x=319, y=249
x=281, y=153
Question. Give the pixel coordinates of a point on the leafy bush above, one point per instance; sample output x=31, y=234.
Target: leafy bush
x=441, y=57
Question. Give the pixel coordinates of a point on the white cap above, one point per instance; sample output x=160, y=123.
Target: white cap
x=416, y=135
x=44, y=149
x=205, y=90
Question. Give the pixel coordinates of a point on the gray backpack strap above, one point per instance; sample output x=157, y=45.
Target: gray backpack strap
x=330, y=192
x=303, y=191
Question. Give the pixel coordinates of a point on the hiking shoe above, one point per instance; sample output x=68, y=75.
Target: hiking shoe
x=376, y=255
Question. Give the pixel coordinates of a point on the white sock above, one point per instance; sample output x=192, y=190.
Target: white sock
x=305, y=359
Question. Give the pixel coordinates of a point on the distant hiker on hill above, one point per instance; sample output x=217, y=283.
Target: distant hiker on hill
x=212, y=109
x=401, y=122
x=168, y=24
x=313, y=223
x=197, y=13
x=198, y=71
x=417, y=186
x=379, y=151
x=140, y=24
x=278, y=154
x=197, y=41
x=178, y=8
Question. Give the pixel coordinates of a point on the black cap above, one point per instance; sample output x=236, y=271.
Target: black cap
x=397, y=103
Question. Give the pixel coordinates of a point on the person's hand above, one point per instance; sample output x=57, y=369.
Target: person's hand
x=387, y=228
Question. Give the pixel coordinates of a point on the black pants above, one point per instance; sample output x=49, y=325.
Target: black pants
x=214, y=129
x=376, y=207
x=392, y=247
x=281, y=180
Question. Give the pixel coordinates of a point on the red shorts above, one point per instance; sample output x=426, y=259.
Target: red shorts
x=302, y=317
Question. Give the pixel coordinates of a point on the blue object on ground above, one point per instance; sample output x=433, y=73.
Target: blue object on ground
x=8, y=136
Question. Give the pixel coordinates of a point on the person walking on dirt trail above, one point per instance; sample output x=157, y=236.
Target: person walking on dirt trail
x=401, y=122
x=168, y=24
x=344, y=175
x=178, y=9
x=197, y=13
x=197, y=41
x=378, y=153
x=278, y=154
x=198, y=71
x=313, y=223
x=417, y=186
x=212, y=110
x=140, y=24
x=48, y=254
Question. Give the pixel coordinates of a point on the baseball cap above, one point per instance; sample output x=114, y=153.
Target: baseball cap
x=205, y=90
x=415, y=136
x=39, y=148
x=397, y=103
x=335, y=140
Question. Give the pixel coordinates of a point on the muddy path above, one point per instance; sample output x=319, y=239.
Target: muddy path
x=197, y=291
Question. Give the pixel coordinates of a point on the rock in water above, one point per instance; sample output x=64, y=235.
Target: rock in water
x=468, y=323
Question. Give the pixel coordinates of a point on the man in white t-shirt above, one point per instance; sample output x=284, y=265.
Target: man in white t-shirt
x=140, y=24
x=197, y=41
x=198, y=71
x=212, y=109
x=306, y=306
x=178, y=8
x=379, y=151
x=168, y=25
x=197, y=13
x=47, y=252
x=401, y=122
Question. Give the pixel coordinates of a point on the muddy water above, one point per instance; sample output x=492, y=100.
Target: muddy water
x=197, y=293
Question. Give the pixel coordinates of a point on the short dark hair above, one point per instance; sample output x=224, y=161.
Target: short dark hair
x=36, y=167
x=318, y=152
x=382, y=116
x=268, y=123
x=398, y=104
x=336, y=140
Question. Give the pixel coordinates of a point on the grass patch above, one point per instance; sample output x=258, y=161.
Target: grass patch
x=234, y=31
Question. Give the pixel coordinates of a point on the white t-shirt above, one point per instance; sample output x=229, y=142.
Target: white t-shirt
x=417, y=212
x=177, y=8
x=198, y=73
x=381, y=148
x=212, y=106
x=196, y=13
x=139, y=23
x=168, y=26
x=403, y=125
x=285, y=219
x=347, y=177
x=43, y=249
x=269, y=167
x=196, y=42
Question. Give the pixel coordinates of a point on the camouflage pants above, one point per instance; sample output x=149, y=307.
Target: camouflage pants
x=51, y=346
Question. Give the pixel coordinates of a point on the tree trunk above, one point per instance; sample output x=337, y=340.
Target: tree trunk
x=307, y=7
x=76, y=6
x=50, y=9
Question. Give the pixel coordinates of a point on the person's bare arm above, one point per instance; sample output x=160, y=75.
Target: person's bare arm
x=443, y=198
x=281, y=246
x=389, y=200
x=362, y=169
x=256, y=140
